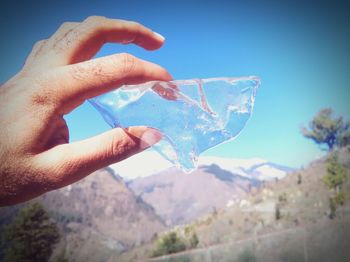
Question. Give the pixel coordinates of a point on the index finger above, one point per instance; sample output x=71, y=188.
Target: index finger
x=86, y=39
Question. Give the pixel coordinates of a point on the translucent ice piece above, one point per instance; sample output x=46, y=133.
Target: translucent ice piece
x=193, y=115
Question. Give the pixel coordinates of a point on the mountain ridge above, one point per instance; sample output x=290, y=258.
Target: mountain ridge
x=143, y=164
x=218, y=177
x=97, y=213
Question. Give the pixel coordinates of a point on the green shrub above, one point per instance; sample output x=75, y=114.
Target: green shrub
x=336, y=173
x=31, y=235
x=168, y=244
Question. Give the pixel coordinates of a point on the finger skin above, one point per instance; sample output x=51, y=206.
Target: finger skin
x=94, y=77
x=85, y=40
x=68, y=163
x=76, y=160
x=76, y=42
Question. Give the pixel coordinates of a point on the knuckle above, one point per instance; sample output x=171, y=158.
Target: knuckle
x=63, y=36
x=95, y=20
x=67, y=41
x=62, y=31
x=115, y=147
x=82, y=74
x=62, y=26
x=40, y=43
x=79, y=72
x=128, y=63
x=92, y=26
x=136, y=27
x=134, y=24
x=120, y=147
x=66, y=25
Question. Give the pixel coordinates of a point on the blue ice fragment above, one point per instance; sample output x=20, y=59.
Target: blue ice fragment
x=193, y=115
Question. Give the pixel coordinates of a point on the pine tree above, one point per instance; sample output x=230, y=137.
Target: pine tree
x=31, y=235
x=325, y=129
x=335, y=178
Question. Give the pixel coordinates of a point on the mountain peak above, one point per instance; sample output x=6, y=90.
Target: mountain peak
x=150, y=162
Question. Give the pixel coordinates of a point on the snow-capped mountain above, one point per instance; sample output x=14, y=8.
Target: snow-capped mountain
x=256, y=168
x=178, y=197
x=150, y=162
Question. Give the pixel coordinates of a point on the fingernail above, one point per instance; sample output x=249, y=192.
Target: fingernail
x=159, y=36
x=150, y=137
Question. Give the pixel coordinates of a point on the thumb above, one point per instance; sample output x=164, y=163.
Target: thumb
x=74, y=161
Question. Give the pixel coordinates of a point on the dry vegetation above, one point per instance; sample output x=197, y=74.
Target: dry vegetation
x=251, y=228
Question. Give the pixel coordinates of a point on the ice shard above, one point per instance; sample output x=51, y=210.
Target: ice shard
x=193, y=115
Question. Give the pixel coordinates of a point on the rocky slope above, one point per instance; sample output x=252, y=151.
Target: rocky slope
x=179, y=198
x=250, y=227
x=99, y=217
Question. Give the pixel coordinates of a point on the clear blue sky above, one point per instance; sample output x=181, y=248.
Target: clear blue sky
x=300, y=50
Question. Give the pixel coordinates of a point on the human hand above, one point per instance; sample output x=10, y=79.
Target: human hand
x=58, y=76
